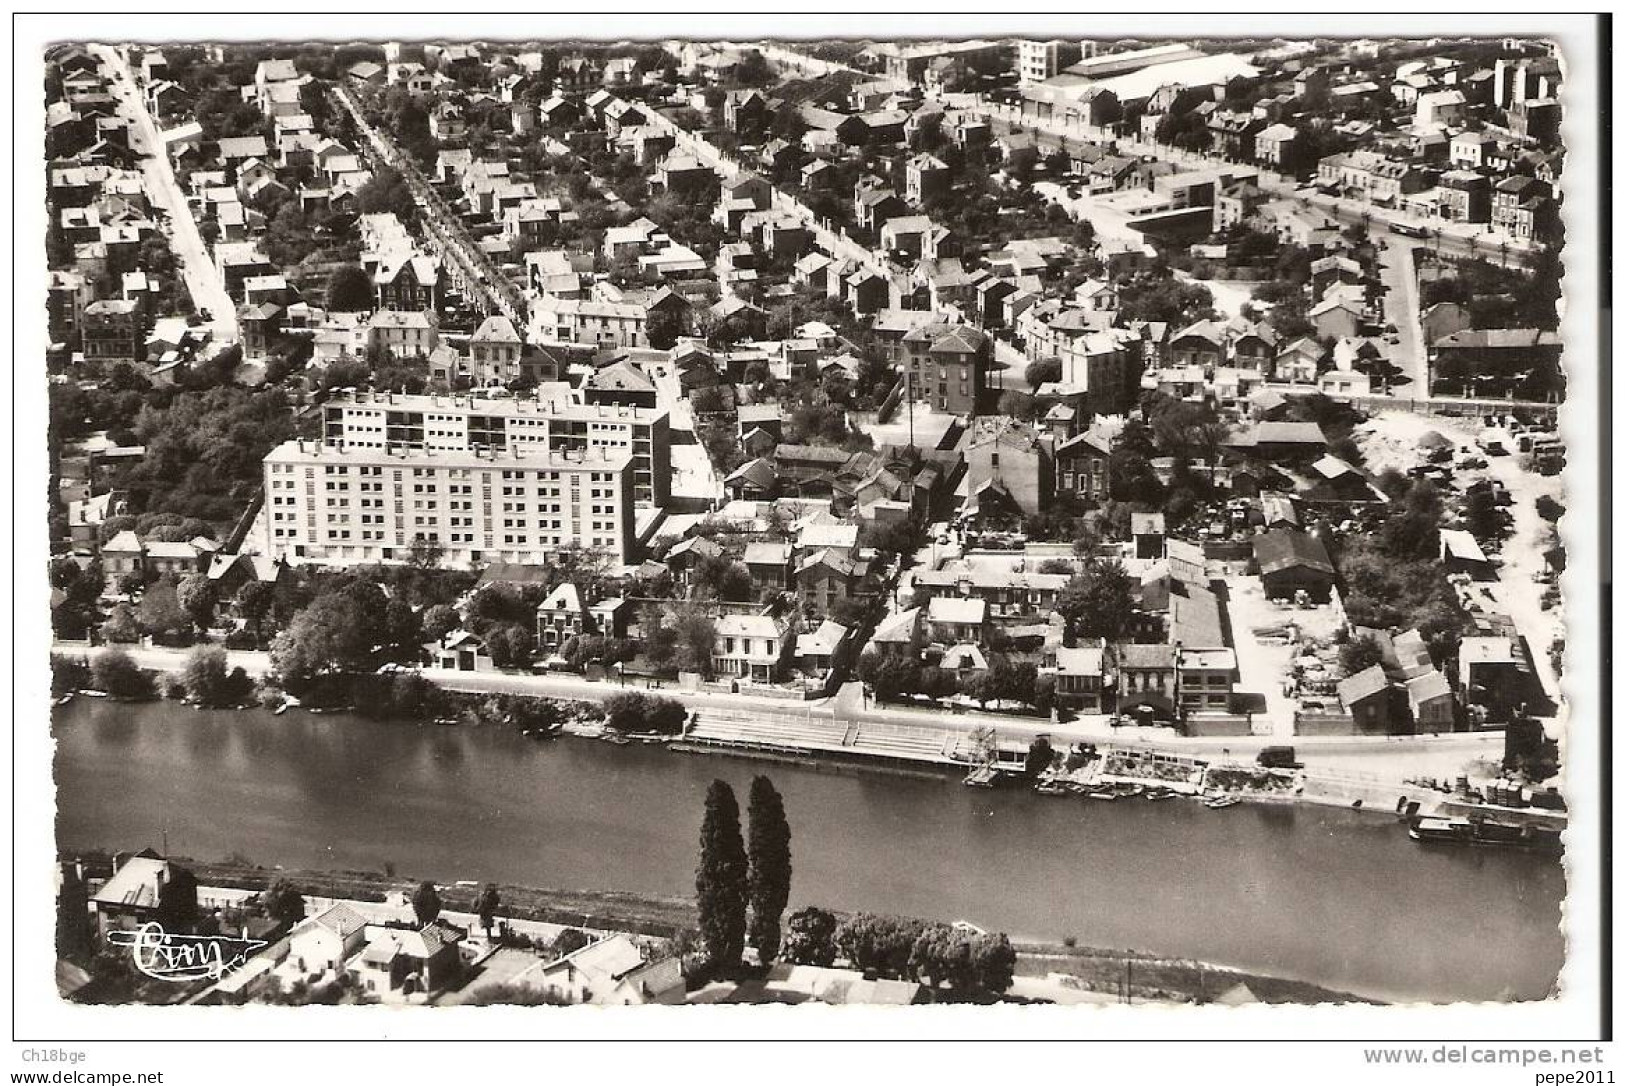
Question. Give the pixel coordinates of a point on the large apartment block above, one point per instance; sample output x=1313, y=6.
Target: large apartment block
x=328, y=504
x=451, y=424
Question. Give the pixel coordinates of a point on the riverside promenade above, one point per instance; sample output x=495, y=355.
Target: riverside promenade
x=1341, y=769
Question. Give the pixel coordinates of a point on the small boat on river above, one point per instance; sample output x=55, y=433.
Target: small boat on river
x=1219, y=803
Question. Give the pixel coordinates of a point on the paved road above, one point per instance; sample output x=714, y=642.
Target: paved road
x=483, y=283
x=203, y=280
x=1387, y=756
x=1402, y=308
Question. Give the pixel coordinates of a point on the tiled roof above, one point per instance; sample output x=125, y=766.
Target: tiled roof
x=1357, y=687
x=138, y=883
x=341, y=918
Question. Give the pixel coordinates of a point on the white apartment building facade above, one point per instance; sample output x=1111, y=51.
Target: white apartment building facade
x=343, y=506
x=607, y=324
x=1038, y=61
x=527, y=426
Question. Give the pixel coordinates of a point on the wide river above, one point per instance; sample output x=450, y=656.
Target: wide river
x=1338, y=898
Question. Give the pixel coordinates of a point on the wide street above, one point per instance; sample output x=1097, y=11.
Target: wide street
x=1402, y=308
x=203, y=280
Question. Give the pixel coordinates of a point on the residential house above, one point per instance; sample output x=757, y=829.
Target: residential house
x=951, y=620
x=325, y=943
x=111, y=331
x=404, y=334
x=495, y=349
x=560, y=618
x=820, y=653
x=1371, y=176
x=828, y=577
x=1464, y=196
x=408, y=962
x=1147, y=675
x=1080, y=678
x=898, y=635
x=145, y=889
x=406, y=280
x=1202, y=344
x=1277, y=146
x=684, y=177
x=746, y=112
x=948, y=366
x=925, y=177
x=1335, y=318
x=769, y=565
x=874, y=203
x=1082, y=468
x=866, y=291
x=1298, y=362
x=749, y=647
x=1523, y=208
x=611, y=972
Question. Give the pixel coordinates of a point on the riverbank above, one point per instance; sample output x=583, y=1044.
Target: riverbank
x=1393, y=758
x=835, y=737
x=1256, y=886
x=1372, y=775
x=1120, y=974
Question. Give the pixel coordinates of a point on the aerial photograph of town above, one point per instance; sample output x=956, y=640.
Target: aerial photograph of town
x=974, y=521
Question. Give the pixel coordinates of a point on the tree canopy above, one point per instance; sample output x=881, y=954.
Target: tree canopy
x=720, y=883
x=349, y=289
x=332, y=634
x=1099, y=601
x=769, y=876
x=810, y=937
x=425, y=902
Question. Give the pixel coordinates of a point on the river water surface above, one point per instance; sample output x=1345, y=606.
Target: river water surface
x=1341, y=899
